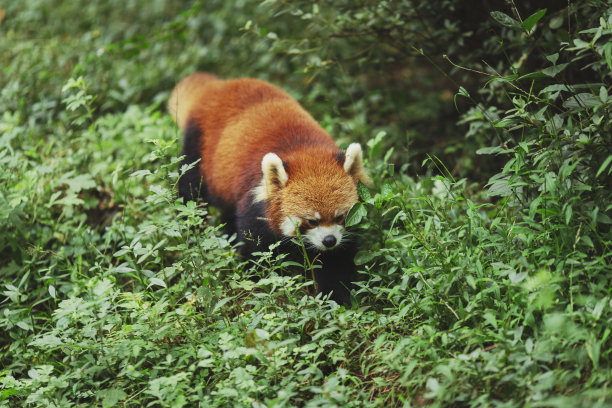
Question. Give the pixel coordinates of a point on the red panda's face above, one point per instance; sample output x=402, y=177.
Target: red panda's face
x=311, y=194
x=317, y=207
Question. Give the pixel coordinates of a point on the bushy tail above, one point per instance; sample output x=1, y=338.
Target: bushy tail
x=185, y=94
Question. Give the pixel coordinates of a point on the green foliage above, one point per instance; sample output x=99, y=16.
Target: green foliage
x=484, y=283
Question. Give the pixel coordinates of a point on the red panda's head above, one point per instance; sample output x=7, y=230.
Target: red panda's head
x=311, y=190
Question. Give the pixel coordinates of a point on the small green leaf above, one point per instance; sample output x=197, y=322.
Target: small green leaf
x=375, y=144
x=505, y=19
x=603, y=94
x=356, y=214
x=111, y=396
x=364, y=257
x=364, y=192
x=557, y=88
x=533, y=207
x=579, y=44
x=387, y=191
x=433, y=386
x=499, y=188
x=531, y=21
x=553, y=58
x=506, y=122
x=554, y=70
x=556, y=22
x=221, y=303
x=603, y=166
x=140, y=173
x=157, y=282
x=70, y=199
x=608, y=53
x=581, y=101
x=490, y=150
x=80, y=182
x=470, y=280
x=463, y=92
x=568, y=214
x=533, y=75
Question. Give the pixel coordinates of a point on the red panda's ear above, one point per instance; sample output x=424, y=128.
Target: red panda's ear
x=274, y=174
x=353, y=164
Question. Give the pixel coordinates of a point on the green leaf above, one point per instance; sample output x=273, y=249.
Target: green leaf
x=608, y=53
x=556, y=88
x=463, y=92
x=363, y=257
x=533, y=207
x=433, y=386
x=603, y=94
x=556, y=22
x=80, y=182
x=111, y=396
x=221, y=303
x=140, y=173
x=157, y=282
x=553, y=58
x=490, y=150
x=70, y=199
x=364, y=192
x=375, y=144
x=471, y=281
x=533, y=75
x=554, y=70
x=386, y=191
x=603, y=166
x=582, y=101
x=505, y=19
x=506, y=122
x=499, y=188
x=356, y=214
x=579, y=44
x=531, y=21
x=48, y=341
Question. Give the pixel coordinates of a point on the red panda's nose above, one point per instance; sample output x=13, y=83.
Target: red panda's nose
x=329, y=241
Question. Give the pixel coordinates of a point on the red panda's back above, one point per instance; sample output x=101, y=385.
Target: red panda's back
x=241, y=120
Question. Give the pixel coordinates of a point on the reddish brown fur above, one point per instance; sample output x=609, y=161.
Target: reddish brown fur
x=242, y=120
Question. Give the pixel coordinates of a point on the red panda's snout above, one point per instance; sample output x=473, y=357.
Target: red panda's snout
x=311, y=192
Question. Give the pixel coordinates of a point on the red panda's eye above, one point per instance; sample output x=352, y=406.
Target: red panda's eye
x=339, y=219
x=314, y=223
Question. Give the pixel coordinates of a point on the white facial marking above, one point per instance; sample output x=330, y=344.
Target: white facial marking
x=316, y=235
x=260, y=193
x=289, y=225
x=317, y=215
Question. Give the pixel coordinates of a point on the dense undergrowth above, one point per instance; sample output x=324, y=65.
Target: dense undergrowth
x=486, y=239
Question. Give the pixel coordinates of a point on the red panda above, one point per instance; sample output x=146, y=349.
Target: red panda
x=271, y=169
